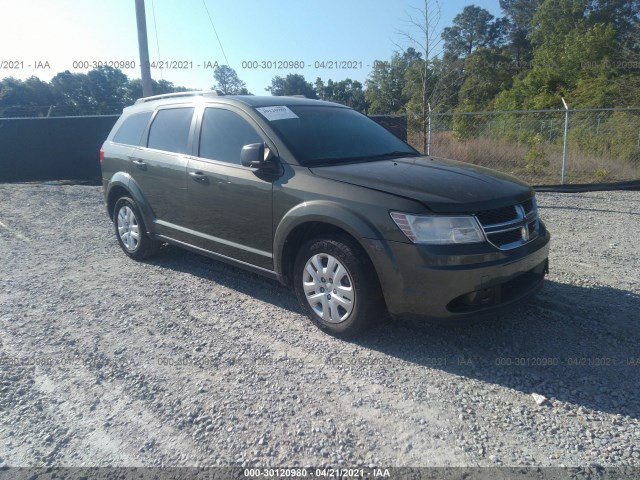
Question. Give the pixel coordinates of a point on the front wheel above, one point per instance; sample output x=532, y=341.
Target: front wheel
x=337, y=286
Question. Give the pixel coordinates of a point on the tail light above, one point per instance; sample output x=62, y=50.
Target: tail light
x=101, y=155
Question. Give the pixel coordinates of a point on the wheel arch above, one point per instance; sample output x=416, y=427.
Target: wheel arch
x=313, y=219
x=122, y=185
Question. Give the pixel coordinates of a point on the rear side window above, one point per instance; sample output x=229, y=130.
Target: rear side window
x=130, y=132
x=223, y=135
x=170, y=130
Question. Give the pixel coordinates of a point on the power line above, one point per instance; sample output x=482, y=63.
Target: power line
x=215, y=31
x=155, y=28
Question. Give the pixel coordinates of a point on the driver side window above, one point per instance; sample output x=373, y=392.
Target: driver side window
x=223, y=134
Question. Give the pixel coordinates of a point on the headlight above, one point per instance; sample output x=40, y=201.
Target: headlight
x=437, y=230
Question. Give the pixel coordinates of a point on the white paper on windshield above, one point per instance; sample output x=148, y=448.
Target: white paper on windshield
x=279, y=112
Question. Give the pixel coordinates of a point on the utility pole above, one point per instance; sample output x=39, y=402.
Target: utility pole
x=147, y=86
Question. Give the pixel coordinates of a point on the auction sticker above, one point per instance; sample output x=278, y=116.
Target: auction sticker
x=276, y=113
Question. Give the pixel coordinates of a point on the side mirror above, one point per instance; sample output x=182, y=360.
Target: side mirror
x=257, y=155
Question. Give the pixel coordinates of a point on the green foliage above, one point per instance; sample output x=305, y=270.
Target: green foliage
x=471, y=29
x=31, y=96
x=556, y=18
x=104, y=90
x=616, y=134
x=559, y=67
x=292, y=84
x=487, y=72
x=386, y=84
x=536, y=158
x=621, y=136
x=228, y=82
x=73, y=88
x=347, y=92
x=447, y=80
x=601, y=174
x=466, y=126
x=624, y=16
x=519, y=15
x=577, y=54
x=575, y=44
x=108, y=88
x=134, y=89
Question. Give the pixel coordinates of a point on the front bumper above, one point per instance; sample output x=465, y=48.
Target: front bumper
x=458, y=282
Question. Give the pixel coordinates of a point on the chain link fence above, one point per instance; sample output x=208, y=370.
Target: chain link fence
x=571, y=146
x=54, y=111
x=540, y=146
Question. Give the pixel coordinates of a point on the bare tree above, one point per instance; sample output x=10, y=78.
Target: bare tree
x=422, y=35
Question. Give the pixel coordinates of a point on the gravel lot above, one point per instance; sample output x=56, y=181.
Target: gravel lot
x=185, y=361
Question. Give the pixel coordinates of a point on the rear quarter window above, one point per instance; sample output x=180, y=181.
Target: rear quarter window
x=131, y=130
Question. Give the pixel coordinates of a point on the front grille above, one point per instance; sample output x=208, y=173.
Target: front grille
x=505, y=238
x=498, y=215
x=510, y=227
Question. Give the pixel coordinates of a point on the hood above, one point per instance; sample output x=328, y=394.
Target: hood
x=444, y=186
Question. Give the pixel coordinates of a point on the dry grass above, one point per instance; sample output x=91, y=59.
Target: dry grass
x=510, y=157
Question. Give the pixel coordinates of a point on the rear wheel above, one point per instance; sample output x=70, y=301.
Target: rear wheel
x=131, y=232
x=337, y=286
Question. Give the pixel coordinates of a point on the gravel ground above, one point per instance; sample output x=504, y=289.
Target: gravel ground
x=182, y=360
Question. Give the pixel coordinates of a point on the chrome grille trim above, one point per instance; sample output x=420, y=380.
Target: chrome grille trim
x=526, y=222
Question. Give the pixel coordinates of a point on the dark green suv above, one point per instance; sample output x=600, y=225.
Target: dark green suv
x=325, y=200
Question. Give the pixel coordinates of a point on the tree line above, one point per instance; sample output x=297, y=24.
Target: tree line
x=587, y=51
x=102, y=91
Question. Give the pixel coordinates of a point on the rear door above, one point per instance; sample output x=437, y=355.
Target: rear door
x=126, y=138
x=159, y=167
x=230, y=206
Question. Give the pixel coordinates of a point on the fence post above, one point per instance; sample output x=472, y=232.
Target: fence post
x=566, y=138
x=429, y=131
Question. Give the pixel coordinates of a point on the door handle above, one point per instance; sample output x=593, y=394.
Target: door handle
x=199, y=177
x=140, y=164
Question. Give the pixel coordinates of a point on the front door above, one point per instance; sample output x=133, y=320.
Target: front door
x=229, y=205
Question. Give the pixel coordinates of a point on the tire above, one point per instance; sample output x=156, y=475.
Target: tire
x=131, y=232
x=340, y=306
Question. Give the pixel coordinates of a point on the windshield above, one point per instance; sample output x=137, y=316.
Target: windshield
x=320, y=135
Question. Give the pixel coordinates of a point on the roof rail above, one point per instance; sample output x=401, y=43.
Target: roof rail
x=204, y=93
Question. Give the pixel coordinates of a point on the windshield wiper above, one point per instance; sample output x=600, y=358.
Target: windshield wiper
x=394, y=154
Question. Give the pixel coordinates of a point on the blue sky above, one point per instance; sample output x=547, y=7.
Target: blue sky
x=62, y=32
